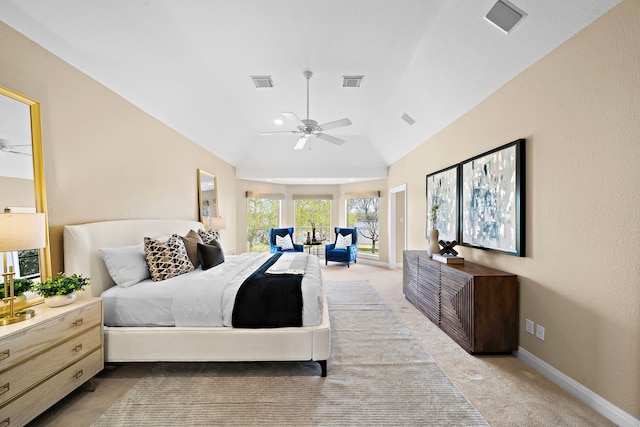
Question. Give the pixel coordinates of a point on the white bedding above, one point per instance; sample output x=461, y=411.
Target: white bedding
x=203, y=298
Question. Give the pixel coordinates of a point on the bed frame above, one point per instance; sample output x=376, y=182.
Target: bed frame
x=153, y=344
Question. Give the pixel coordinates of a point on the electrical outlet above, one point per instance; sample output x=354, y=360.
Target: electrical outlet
x=529, y=326
x=540, y=332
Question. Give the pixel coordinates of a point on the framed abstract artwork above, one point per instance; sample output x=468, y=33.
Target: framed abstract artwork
x=492, y=200
x=442, y=191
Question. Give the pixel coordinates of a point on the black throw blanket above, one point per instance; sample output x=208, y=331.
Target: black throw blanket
x=268, y=301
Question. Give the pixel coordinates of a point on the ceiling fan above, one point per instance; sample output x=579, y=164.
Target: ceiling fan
x=307, y=127
x=5, y=147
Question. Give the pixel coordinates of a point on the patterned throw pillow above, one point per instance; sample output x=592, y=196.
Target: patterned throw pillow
x=166, y=259
x=208, y=237
x=343, y=241
x=284, y=242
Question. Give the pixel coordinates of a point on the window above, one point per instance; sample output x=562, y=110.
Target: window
x=263, y=213
x=312, y=216
x=362, y=212
x=26, y=264
x=29, y=262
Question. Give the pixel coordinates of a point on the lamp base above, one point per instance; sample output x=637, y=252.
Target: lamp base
x=17, y=317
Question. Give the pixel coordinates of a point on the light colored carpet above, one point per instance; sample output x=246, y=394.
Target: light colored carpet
x=378, y=374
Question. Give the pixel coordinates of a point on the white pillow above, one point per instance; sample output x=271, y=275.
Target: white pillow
x=284, y=242
x=127, y=265
x=343, y=241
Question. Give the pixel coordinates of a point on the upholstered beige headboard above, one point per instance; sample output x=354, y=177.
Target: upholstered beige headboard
x=81, y=244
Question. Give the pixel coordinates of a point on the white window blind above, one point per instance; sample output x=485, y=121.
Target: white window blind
x=361, y=195
x=312, y=197
x=258, y=195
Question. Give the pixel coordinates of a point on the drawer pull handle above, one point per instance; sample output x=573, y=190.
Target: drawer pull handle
x=77, y=348
x=6, y=422
x=78, y=374
x=5, y=355
x=4, y=389
x=78, y=322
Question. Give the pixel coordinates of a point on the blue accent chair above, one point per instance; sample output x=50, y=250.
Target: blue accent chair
x=343, y=255
x=273, y=232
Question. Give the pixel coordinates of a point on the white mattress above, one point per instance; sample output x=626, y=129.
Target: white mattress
x=202, y=298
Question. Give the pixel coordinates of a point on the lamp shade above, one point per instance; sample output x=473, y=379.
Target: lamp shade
x=19, y=232
x=218, y=223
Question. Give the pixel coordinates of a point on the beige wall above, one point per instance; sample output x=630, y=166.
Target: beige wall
x=104, y=158
x=579, y=109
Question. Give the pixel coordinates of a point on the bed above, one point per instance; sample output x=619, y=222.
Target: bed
x=179, y=341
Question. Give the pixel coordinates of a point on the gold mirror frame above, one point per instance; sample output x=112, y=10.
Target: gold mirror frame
x=38, y=173
x=207, y=203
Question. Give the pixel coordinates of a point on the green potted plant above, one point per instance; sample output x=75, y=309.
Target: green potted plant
x=20, y=286
x=61, y=290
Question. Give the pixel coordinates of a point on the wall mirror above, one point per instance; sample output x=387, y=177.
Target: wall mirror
x=22, y=188
x=207, y=197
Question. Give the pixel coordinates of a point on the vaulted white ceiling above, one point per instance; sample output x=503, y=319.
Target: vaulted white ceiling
x=188, y=63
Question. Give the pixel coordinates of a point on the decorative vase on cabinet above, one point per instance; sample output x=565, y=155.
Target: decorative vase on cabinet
x=433, y=247
x=60, y=300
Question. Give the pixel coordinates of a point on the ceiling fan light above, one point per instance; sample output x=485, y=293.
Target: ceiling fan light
x=278, y=121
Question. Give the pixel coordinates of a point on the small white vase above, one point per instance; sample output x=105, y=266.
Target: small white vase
x=60, y=300
x=433, y=247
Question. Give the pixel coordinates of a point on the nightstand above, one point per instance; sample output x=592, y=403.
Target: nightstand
x=44, y=358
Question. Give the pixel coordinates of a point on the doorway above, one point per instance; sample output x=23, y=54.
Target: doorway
x=397, y=224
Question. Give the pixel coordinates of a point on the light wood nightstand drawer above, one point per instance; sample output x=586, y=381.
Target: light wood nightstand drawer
x=33, y=371
x=31, y=340
x=21, y=411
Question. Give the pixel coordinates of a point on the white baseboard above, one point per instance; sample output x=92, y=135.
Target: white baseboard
x=595, y=401
x=364, y=260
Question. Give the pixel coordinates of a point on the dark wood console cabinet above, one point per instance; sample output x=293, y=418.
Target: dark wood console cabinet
x=476, y=306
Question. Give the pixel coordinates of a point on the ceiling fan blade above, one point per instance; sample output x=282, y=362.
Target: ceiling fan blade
x=330, y=138
x=293, y=118
x=336, y=124
x=15, y=152
x=279, y=132
x=302, y=141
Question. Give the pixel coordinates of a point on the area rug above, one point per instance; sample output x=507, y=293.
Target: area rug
x=378, y=374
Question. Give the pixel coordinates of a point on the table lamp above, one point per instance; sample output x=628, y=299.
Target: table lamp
x=18, y=232
x=217, y=223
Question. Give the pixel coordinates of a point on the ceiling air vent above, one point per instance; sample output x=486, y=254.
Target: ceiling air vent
x=351, y=81
x=262, y=81
x=407, y=119
x=505, y=15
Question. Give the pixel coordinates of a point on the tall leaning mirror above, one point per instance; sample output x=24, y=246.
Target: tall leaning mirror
x=22, y=188
x=207, y=197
